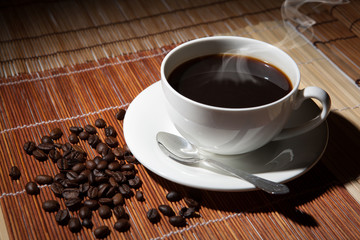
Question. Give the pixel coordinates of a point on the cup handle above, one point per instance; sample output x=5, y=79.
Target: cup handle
x=308, y=92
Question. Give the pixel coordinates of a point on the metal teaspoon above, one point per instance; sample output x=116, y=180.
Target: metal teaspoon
x=179, y=149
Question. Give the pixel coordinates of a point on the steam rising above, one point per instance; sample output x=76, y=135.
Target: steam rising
x=241, y=68
x=291, y=15
x=294, y=21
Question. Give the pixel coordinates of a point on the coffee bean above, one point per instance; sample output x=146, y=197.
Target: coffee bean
x=67, y=183
x=93, y=192
x=129, y=174
x=119, y=153
x=47, y=139
x=122, y=225
x=44, y=179
x=192, y=203
x=153, y=215
x=118, y=199
x=102, y=165
x=90, y=164
x=103, y=188
x=46, y=147
x=32, y=188
x=102, y=232
x=166, y=210
x=111, y=191
x=57, y=189
x=85, y=212
x=111, y=141
x=39, y=155
x=127, y=167
x=130, y=159
x=104, y=211
x=91, y=179
x=100, y=123
x=62, y=217
x=119, y=212
x=78, y=168
x=76, y=156
x=127, y=150
x=182, y=211
x=110, y=131
x=90, y=129
x=66, y=147
x=54, y=155
x=92, y=204
x=99, y=173
x=71, y=193
x=173, y=196
x=73, y=138
x=93, y=140
x=106, y=201
x=59, y=177
x=139, y=196
x=120, y=114
x=56, y=133
x=187, y=212
x=109, y=157
x=125, y=190
x=14, y=173
x=113, y=183
x=74, y=225
x=62, y=164
x=87, y=223
x=135, y=182
x=73, y=204
x=86, y=172
x=81, y=178
x=114, y=166
x=101, y=179
x=118, y=176
x=83, y=188
x=177, y=221
x=76, y=130
x=101, y=147
x=29, y=147
x=71, y=175
x=84, y=135
x=51, y=206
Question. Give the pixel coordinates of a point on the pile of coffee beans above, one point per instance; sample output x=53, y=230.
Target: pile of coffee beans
x=94, y=186
x=87, y=186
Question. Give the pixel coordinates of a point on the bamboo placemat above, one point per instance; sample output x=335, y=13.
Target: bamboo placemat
x=67, y=63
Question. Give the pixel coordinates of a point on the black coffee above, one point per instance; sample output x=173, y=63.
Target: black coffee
x=231, y=81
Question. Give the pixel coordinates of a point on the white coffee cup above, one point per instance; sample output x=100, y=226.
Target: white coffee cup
x=231, y=131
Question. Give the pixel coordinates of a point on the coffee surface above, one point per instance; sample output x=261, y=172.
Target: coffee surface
x=230, y=81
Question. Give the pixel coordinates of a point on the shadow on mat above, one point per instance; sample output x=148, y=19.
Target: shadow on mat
x=337, y=166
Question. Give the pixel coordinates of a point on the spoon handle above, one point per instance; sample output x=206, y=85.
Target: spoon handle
x=266, y=185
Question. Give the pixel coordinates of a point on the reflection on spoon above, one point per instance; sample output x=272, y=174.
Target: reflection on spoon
x=181, y=150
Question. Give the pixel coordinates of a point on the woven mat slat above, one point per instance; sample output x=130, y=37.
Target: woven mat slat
x=119, y=37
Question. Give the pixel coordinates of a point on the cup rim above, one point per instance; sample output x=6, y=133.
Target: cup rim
x=203, y=105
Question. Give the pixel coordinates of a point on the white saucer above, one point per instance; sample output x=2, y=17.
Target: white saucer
x=278, y=161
